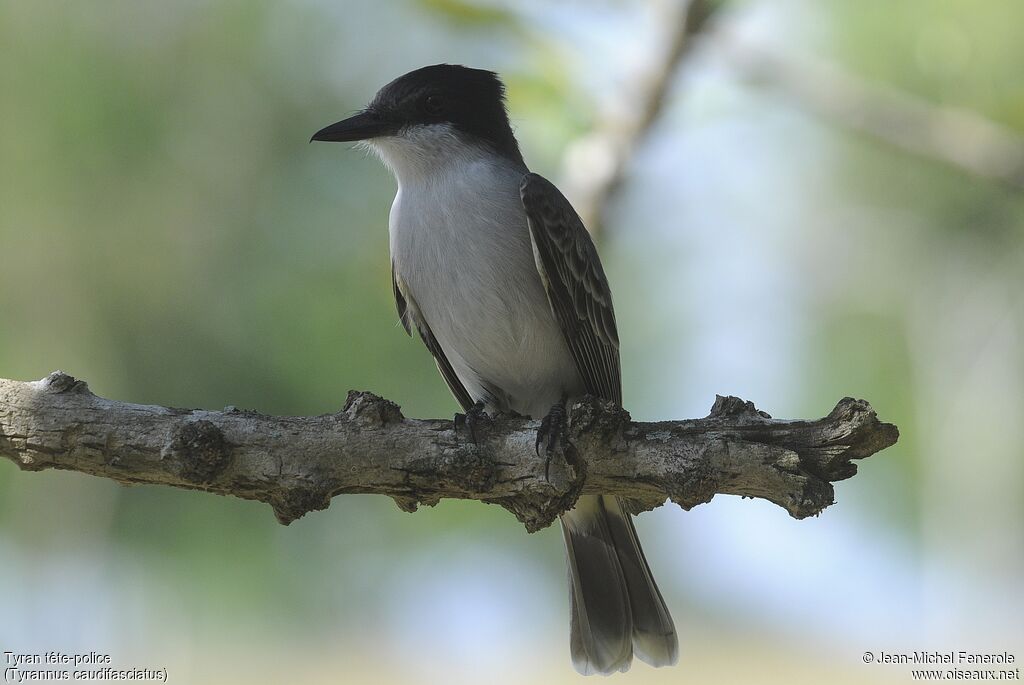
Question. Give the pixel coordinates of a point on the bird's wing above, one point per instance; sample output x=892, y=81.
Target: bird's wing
x=576, y=286
x=407, y=315
x=400, y=303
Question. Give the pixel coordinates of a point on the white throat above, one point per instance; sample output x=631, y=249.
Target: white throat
x=419, y=153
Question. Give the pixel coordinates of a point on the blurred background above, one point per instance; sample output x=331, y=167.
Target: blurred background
x=795, y=201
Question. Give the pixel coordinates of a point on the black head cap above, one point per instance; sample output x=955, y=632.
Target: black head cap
x=471, y=100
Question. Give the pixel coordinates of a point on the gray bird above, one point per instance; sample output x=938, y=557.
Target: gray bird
x=495, y=270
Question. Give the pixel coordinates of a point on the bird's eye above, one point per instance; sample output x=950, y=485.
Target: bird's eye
x=433, y=104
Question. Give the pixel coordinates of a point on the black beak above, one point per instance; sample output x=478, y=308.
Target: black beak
x=367, y=124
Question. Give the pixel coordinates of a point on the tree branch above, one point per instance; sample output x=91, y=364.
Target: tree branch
x=297, y=464
x=957, y=137
x=596, y=164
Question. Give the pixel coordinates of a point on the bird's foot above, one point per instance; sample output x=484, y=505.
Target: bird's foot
x=473, y=418
x=553, y=434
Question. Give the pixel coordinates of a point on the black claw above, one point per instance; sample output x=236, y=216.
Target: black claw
x=553, y=434
x=471, y=419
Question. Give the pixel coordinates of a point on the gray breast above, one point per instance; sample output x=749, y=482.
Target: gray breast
x=461, y=248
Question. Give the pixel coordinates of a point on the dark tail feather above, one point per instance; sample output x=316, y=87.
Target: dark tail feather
x=601, y=623
x=616, y=607
x=654, y=634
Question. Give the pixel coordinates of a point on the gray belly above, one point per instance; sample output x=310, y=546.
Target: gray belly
x=470, y=275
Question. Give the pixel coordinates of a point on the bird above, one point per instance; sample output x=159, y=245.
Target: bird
x=498, y=275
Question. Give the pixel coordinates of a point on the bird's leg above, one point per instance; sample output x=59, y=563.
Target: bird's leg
x=553, y=434
x=471, y=419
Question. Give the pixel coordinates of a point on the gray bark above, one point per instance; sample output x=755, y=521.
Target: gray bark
x=297, y=464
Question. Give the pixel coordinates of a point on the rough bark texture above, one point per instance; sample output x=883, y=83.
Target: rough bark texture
x=297, y=464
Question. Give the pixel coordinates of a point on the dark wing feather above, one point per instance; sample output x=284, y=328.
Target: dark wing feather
x=427, y=336
x=576, y=285
x=400, y=303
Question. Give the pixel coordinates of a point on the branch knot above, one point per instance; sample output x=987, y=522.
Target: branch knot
x=729, y=406
x=202, y=450
x=60, y=382
x=368, y=410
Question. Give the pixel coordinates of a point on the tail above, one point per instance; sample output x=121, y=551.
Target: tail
x=616, y=607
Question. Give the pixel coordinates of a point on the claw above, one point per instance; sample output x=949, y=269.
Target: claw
x=471, y=419
x=553, y=434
